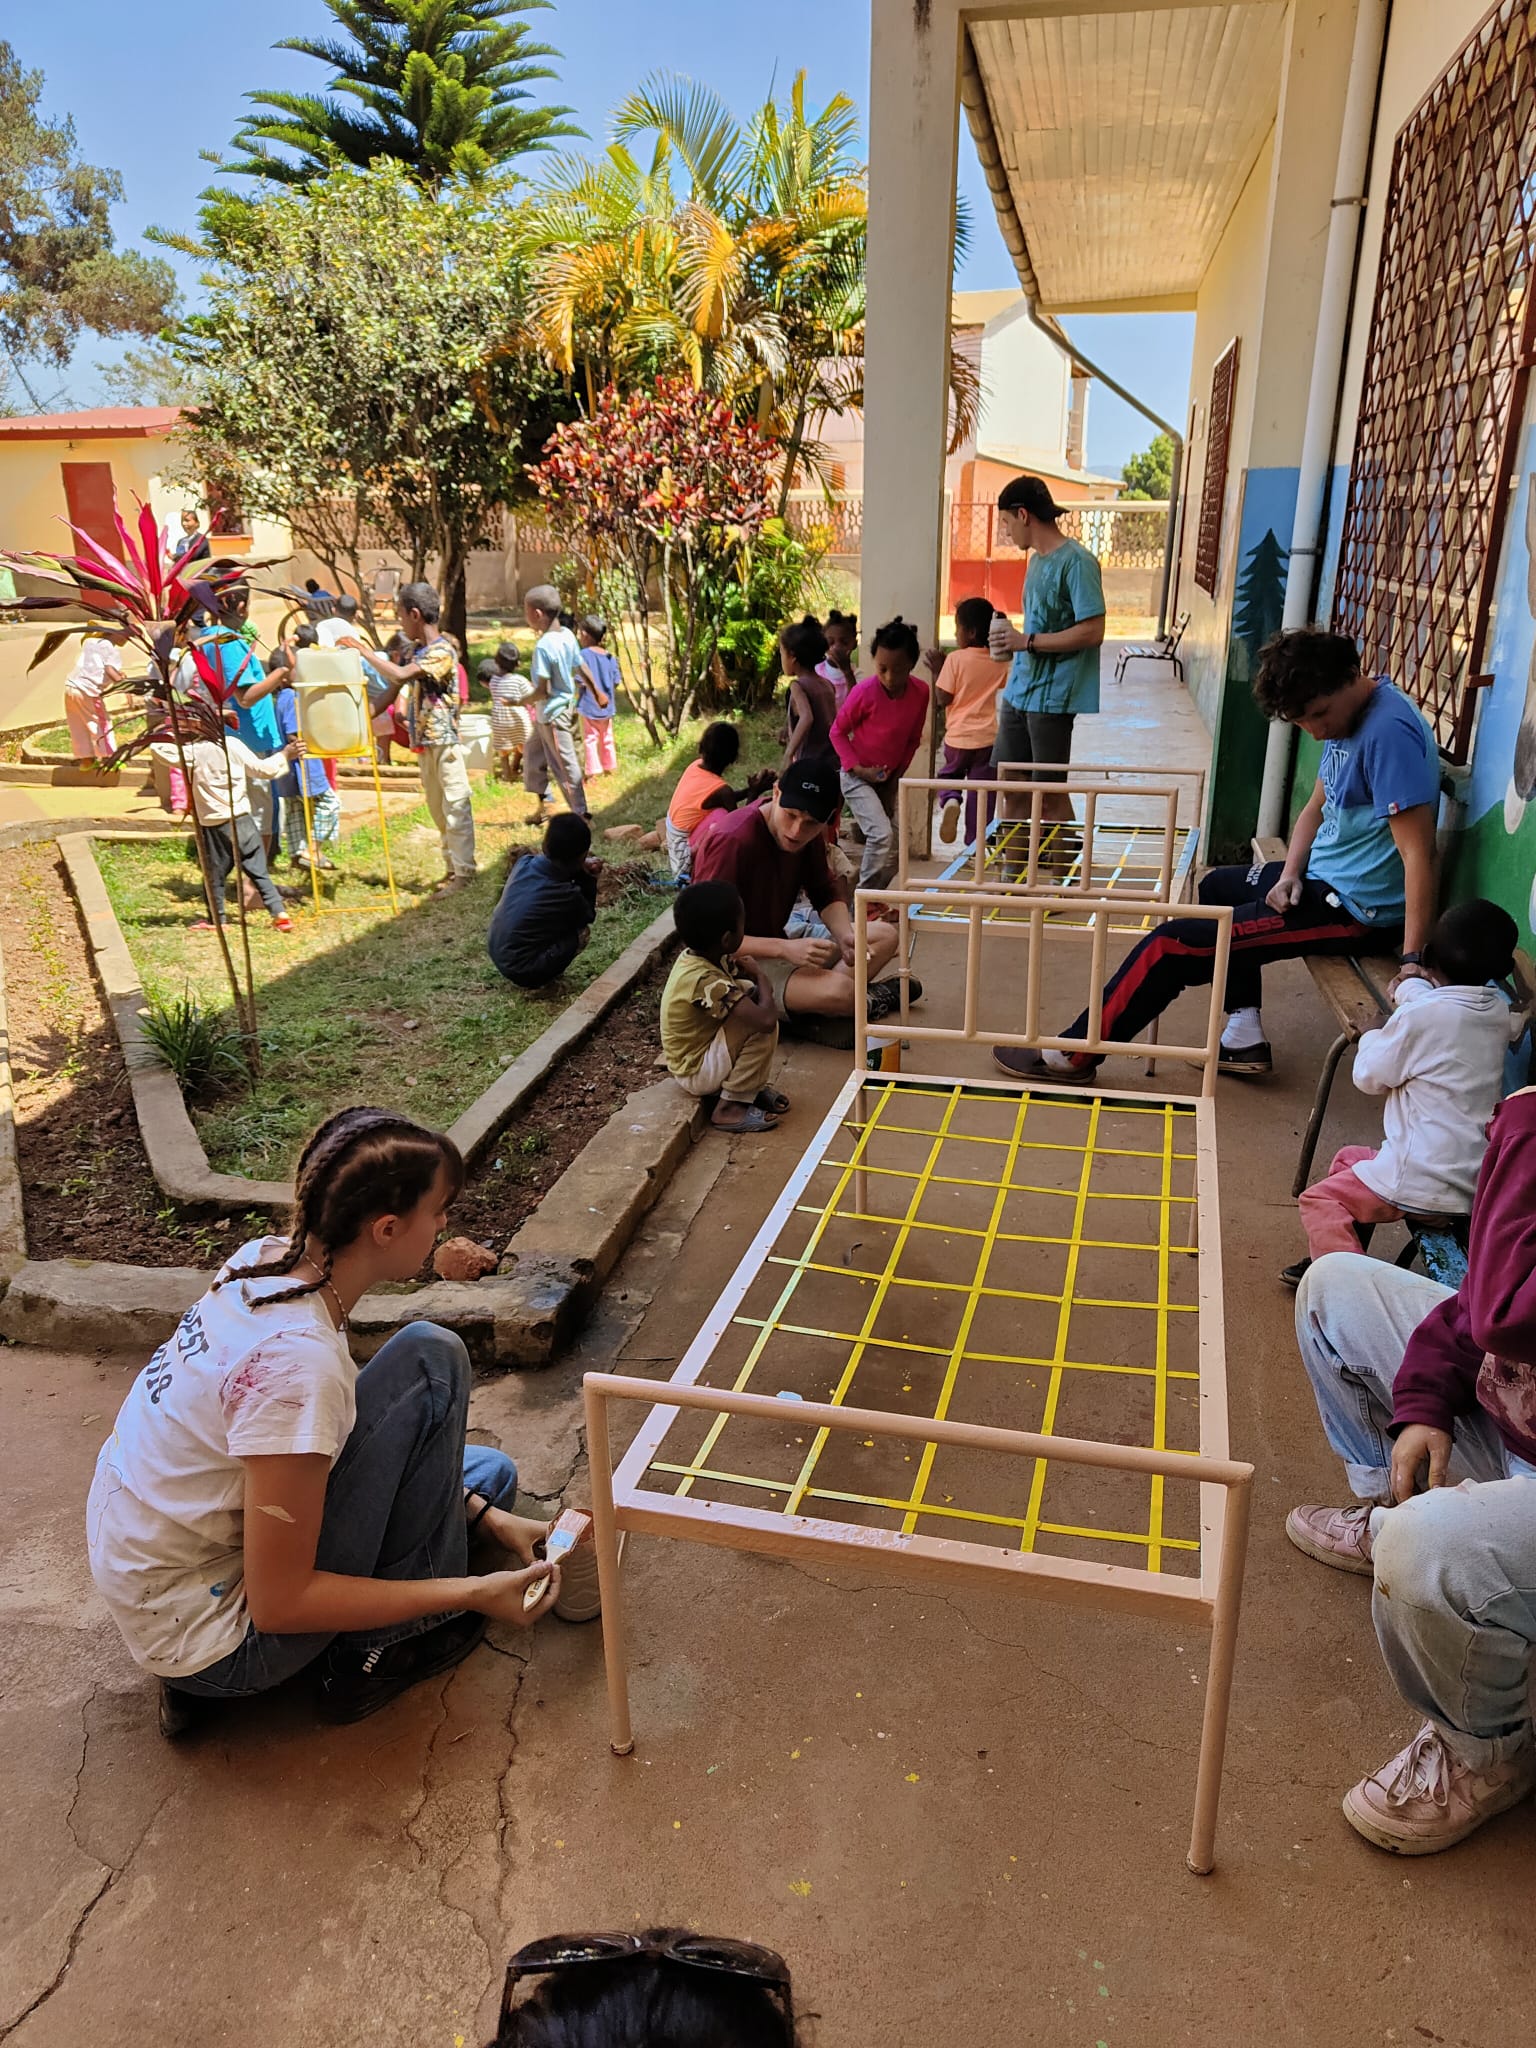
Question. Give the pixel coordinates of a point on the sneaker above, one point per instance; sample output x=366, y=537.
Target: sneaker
x=884, y=999
x=949, y=823
x=355, y=1682
x=1020, y=1064
x=1337, y=1536
x=1426, y=1799
x=1247, y=1059
x=1292, y=1276
x=283, y=923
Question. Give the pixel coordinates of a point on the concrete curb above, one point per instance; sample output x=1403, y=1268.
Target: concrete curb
x=174, y=1150
x=39, y=769
x=521, y=1317
x=13, y=1215
x=27, y=831
x=171, y=1144
x=488, y=1115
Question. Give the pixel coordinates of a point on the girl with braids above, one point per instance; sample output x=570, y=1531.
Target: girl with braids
x=262, y=1505
x=875, y=737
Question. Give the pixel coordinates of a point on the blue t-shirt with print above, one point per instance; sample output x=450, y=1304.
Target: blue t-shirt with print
x=1387, y=765
x=239, y=665
x=602, y=665
x=1061, y=589
x=317, y=782
x=556, y=658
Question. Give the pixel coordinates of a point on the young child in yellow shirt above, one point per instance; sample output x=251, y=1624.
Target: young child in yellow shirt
x=719, y=1027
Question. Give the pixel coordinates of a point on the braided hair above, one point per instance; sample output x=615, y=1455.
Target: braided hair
x=897, y=636
x=360, y=1164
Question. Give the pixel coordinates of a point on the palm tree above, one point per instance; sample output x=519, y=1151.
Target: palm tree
x=750, y=281
x=442, y=86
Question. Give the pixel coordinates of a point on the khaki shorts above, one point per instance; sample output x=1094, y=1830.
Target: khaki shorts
x=776, y=973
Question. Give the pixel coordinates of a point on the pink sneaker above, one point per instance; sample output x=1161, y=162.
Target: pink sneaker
x=1337, y=1536
x=1426, y=1799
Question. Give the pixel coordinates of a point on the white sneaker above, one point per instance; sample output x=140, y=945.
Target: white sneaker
x=1426, y=1799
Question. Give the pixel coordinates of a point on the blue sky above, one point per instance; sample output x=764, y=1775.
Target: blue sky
x=151, y=86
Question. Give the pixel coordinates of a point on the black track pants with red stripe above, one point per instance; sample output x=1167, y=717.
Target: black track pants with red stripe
x=1178, y=955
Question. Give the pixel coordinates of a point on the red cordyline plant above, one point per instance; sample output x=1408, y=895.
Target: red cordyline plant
x=150, y=596
x=661, y=493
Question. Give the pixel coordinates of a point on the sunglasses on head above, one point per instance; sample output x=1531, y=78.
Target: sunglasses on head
x=744, y=1960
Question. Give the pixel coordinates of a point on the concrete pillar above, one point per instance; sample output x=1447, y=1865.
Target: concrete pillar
x=914, y=111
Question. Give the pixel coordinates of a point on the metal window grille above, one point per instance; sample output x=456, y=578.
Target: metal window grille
x=1446, y=368
x=1218, y=442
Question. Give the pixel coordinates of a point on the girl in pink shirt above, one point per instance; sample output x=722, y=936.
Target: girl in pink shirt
x=875, y=736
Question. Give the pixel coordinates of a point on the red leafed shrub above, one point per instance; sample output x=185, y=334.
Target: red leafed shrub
x=661, y=493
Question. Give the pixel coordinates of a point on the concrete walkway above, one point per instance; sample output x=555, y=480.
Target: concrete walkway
x=959, y=1816
x=962, y=1799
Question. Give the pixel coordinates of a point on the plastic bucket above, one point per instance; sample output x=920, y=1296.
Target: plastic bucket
x=332, y=702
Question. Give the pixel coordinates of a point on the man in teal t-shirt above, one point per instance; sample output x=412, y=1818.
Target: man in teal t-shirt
x=1055, y=671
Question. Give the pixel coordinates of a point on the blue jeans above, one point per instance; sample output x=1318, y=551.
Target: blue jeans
x=394, y=1504
x=1455, y=1596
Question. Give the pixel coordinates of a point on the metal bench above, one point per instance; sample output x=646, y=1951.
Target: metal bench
x=1164, y=648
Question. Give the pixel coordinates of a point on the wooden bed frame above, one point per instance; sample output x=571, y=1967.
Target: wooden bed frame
x=1150, y=857
x=621, y=1501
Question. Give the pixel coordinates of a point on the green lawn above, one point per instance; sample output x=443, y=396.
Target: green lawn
x=373, y=1005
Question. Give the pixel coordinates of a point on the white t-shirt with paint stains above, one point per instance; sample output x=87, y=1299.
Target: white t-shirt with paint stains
x=165, y=1518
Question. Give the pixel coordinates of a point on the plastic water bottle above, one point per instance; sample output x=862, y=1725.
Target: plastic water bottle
x=997, y=637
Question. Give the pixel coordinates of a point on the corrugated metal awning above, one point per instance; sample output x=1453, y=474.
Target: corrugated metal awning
x=1128, y=137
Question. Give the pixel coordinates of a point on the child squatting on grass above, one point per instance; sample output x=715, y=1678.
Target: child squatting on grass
x=1439, y=1063
x=544, y=918
x=262, y=1507
x=719, y=1024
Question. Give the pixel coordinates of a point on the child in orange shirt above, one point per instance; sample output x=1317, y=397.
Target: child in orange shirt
x=967, y=683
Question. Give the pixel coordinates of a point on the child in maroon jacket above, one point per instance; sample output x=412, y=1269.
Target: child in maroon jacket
x=1417, y=1386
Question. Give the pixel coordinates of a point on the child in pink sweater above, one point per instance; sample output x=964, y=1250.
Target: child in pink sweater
x=875, y=736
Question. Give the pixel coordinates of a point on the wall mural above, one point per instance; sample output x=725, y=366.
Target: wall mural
x=1522, y=780
x=1495, y=854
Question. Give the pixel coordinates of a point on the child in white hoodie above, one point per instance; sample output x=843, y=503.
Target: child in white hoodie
x=1439, y=1062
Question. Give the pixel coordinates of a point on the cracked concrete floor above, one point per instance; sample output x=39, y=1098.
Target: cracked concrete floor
x=960, y=1817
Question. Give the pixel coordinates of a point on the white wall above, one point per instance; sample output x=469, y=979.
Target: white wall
x=1230, y=302
x=1026, y=387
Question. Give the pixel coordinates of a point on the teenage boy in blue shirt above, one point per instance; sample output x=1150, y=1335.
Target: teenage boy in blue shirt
x=1359, y=871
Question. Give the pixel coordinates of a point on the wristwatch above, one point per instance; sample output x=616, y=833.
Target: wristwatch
x=1413, y=959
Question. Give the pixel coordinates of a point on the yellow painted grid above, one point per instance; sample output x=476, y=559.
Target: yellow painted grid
x=1123, y=857
x=1171, y=1135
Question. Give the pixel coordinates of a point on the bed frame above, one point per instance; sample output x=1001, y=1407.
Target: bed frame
x=761, y=1442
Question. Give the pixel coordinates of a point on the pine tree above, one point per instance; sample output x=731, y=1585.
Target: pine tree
x=1260, y=602
x=442, y=86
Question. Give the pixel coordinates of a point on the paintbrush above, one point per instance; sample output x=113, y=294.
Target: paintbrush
x=572, y=1528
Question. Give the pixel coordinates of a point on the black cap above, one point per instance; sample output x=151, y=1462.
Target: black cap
x=1029, y=494
x=808, y=786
